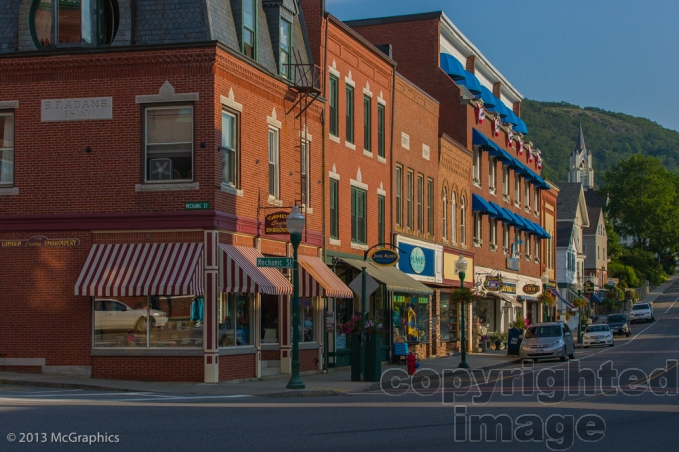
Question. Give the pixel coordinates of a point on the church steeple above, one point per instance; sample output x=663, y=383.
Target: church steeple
x=581, y=169
x=581, y=141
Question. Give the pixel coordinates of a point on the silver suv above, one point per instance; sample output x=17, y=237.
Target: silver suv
x=642, y=312
x=548, y=340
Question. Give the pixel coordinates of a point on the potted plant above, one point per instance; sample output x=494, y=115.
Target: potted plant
x=373, y=349
x=580, y=302
x=483, y=343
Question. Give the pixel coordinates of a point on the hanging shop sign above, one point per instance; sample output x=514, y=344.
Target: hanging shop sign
x=512, y=264
x=384, y=257
x=509, y=288
x=588, y=287
x=40, y=241
x=274, y=223
x=531, y=289
x=493, y=283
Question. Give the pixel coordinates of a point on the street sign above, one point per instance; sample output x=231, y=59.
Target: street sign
x=197, y=205
x=370, y=285
x=275, y=262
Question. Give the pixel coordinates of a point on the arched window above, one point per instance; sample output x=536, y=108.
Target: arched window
x=74, y=23
x=463, y=221
x=453, y=217
x=445, y=214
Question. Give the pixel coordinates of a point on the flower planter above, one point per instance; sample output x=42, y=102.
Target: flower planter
x=373, y=358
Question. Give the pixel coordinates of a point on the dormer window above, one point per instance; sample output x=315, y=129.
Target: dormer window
x=285, y=48
x=250, y=28
x=74, y=23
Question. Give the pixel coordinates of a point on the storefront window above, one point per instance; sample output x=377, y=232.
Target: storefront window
x=410, y=319
x=269, y=313
x=454, y=319
x=444, y=326
x=235, y=320
x=306, y=320
x=344, y=311
x=156, y=321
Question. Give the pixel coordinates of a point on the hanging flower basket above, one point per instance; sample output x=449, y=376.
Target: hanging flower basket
x=547, y=298
x=580, y=302
x=568, y=315
x=463, y=295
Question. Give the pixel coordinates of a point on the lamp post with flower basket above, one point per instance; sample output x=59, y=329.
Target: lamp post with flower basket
x=547, y=299
x=462, y=296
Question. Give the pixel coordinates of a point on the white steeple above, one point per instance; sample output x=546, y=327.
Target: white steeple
x=581, y=164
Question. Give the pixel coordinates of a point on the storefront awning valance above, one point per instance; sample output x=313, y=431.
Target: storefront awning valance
x=451, y=66
x=471, y=83
x=501, y=215
x=317, y=280
x=481, y=205
x=392, y=277
x=487, y=97
x=507, y=298
x=563, y=300
x=594, y=298
x=239, y=273
x=521, y=127
x=142, y=269
x=499, y=108
x=479, y=139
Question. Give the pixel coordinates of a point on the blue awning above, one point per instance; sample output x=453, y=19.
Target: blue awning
x=522, y=223
x=487, y=98
x=594, y=298
x=481, y=205
x=452, y=67
x=499, y=108
x=521, y=127
x=511, y=117
x=559, y=297
x=502, y=216
x=514, y=220
x=544, y=234
x=479, y=139
x=471, y=83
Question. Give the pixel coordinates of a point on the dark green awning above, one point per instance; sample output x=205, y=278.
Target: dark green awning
x=392, y=277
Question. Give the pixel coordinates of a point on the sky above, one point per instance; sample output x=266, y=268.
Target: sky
x=618, y=55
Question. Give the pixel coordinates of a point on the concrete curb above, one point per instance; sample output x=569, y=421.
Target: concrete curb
x=302, y=393
x=378, y=385
x=54, y=384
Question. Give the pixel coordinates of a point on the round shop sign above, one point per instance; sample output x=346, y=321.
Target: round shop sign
x=384, y=257
x=493, y=283
x=417, y=260
x=531, y=289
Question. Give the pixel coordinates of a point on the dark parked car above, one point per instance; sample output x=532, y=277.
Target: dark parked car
x=619, y=324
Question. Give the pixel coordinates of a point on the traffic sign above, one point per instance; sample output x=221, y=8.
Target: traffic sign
x=275, y=262
x=370, y=285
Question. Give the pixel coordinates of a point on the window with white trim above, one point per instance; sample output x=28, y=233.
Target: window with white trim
x=505, y=180
x=537, y=248
x=168, y=144
x=420, y=203
x=505, y=237
x=285, y=44
x=409, y=199
x=453, y=217
x=528, y=244
x=493, y=231
x=6, y=149
x=304, y=173
x=517, y=188
x=463, y=221
x=444, y=216
x=250, y=28
x=477, y=226
x=477, y=166
x=527, y=195
x=273, y=163
x=491, y=172
x=229, y=149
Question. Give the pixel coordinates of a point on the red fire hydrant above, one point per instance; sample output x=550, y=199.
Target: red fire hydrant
x=411, y=360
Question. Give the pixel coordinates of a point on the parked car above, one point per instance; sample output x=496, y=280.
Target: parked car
x=619, y=324
x=548, y=340
x=642, y=312
x=597, y=335
x=116, y=315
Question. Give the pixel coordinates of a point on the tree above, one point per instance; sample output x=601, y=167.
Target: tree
x=615, y=248
x=644, y=203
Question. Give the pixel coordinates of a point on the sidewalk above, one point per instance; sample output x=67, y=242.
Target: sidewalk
x=658, y=290
x=335, y=382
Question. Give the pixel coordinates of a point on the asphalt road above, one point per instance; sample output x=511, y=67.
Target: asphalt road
x=549, y=406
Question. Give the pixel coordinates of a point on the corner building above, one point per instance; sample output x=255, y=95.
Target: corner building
x=143, y=148
x=480, y=110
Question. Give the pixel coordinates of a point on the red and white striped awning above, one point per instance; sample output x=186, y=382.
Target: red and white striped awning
x=317, y=280
x=140, y=269
x=239, y=273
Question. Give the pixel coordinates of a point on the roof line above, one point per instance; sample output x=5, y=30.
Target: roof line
x=353, y=33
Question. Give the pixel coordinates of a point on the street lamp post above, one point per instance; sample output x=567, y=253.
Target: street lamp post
x=295, y=223
x=611, y=285
x=545, y=279
x=461, y=267
x=579, y=285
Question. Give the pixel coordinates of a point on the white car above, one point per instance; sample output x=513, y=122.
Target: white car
x=598, y=335
x=642, y=312
x=116, y=315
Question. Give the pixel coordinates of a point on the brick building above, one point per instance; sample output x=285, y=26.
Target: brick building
x=481, y=110
x=142, y=148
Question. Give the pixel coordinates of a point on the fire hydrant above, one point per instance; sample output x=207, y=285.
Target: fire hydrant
x=411, y=360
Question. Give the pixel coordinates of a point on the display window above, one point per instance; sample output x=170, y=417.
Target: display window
x=307, y=321
x=269, y=318
x=235, y=319
x=153, y=321
x=410, y=319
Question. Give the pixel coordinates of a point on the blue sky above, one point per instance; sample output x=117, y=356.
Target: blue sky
x=618, y=55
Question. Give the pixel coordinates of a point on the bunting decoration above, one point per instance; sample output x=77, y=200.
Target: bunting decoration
x=530, y=154
x=519, y=145
x=510, y=138
x=480, y=113
x=496, y=126
x=539, y=161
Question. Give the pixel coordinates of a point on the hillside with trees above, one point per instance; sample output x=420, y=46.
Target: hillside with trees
x=611, y=137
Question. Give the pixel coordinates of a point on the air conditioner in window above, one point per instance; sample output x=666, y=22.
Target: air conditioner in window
x=160, y=169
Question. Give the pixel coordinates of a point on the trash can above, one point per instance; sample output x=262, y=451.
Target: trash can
x=373, y=357
x=514, y=338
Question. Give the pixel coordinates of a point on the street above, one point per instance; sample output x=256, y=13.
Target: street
x=643, y=413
